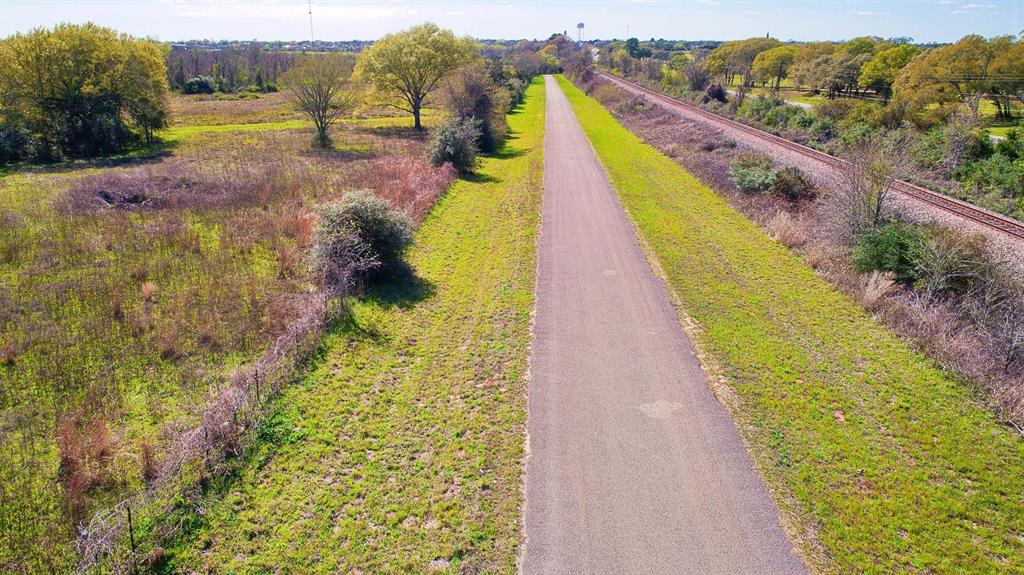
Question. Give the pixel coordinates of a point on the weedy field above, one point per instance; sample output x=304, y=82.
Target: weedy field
x=401, y=451
x=881, y=461
x=130, y=288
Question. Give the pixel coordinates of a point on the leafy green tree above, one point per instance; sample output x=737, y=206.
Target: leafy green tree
x=773, y=65
x=1007, y=71
x=79, y=90
x=810, y=64
x=319, y=85
x=960, y=73
x=881, y=71
x=405, y=67
x=635, y=51
x=737, y=58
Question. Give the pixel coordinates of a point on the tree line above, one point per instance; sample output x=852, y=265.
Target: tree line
x=923, y=84
x=81, y=91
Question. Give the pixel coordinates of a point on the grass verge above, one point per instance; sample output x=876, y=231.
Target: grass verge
x=888, y=461
x=401, y=451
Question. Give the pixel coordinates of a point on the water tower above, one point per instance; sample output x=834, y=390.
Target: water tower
x=579, y=32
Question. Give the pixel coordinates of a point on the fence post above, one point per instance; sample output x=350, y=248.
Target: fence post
x=131, y=538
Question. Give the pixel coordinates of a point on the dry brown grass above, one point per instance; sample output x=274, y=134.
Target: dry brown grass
x=787, y=230
x=874, y=287
x=86, y=450
x=148, y=291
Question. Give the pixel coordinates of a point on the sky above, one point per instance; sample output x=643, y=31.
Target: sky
x=923, y=20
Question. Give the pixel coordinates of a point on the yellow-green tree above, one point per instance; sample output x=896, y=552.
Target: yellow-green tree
x=772, y=65
x=959, y=73
x=883, y=68
x=80, y=89
x=737, y=58
x=405, y=67
x=1007, y=71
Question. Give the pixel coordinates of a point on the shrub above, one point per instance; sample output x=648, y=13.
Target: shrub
x=15, y=143
x=387, y=232
x=1012, y=146
x=995, y=183
x=893, y=248
x=715, y=92
x=823, y=130
x=357, y=238
x=792, y=184
x=752, y=173
x=949, y=262
x=199, y=85
x=516, y=92
x=834, y=110
x=470, y=93
x=456, y=143
x=929, y=150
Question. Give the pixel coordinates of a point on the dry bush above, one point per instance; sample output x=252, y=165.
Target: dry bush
x=168, y=335
x=608, y=94
x=817, y=255
x=8, y=353
x=148, y=291
x=786, y=230
x=86, y=451
x=874, y=286
x=297, y=223
x=147, y=462
x=407, y=183
x=288, y=259
x=859, y=197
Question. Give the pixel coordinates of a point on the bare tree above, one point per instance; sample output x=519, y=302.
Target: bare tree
x=858, y=201
x=696, y=70
x=321, y=90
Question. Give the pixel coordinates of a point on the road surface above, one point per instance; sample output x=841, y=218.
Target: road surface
x=633, y=465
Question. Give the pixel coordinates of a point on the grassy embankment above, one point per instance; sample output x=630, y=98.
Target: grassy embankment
x=401, y=451
x=873, y=451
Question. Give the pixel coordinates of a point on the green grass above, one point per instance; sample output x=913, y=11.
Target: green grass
x=403, y=446
x=890, y=461
x=178, y=133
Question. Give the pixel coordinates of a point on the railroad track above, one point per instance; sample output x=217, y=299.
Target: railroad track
x=986, y=218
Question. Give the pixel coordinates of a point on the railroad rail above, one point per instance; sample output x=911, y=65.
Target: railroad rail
x=989, y=219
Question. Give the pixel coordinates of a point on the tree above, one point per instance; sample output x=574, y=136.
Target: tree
x=81, y=89
x=471, y=93
x=810, y=62
x=773, y=65
x=405, y=67
x=860, y=197
x=635, y=51
x=1007, y=71
x=881, y=71
x=694, y=69
x=957, y=73
x=318, y=85
x=737, y=58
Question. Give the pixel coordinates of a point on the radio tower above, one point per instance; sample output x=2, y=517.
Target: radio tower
x=310, y=3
